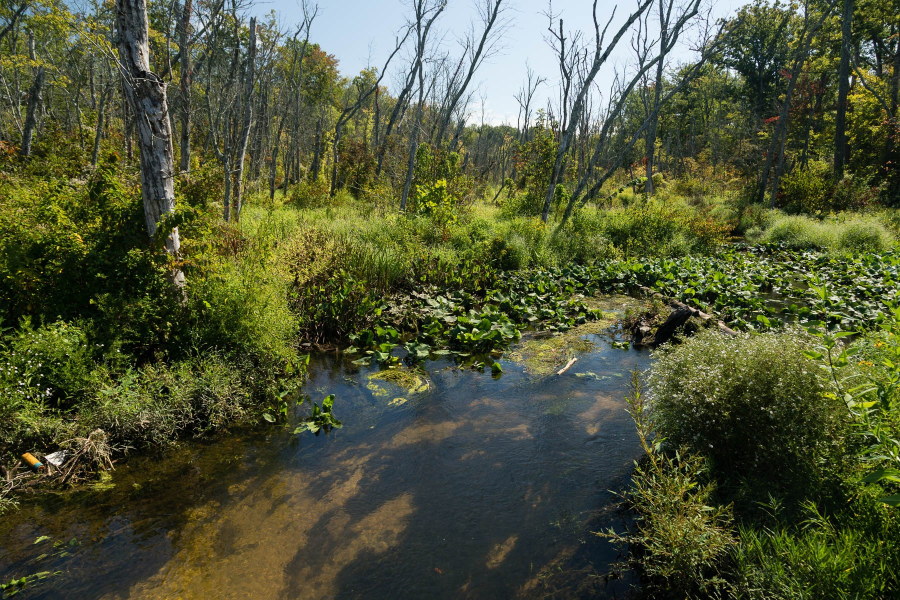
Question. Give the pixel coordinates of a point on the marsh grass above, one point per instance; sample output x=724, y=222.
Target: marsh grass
x=850, y=233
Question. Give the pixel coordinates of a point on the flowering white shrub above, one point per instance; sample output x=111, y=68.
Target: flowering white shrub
x=753, y=404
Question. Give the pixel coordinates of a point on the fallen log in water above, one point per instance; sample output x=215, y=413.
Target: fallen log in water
x=680, y=316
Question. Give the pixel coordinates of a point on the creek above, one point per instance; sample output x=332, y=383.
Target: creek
x=475, y=485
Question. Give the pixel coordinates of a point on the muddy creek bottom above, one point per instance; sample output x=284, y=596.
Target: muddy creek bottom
x=478, y=487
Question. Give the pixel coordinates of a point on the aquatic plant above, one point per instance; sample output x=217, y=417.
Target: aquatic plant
x=320, y=419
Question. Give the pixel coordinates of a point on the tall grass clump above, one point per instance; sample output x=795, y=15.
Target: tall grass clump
x=865, y=235
x=854, y=234
x=661, y=227
x=798, y=232
x=853, y=553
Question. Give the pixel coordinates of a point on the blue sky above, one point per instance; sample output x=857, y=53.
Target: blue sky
x=358, y=32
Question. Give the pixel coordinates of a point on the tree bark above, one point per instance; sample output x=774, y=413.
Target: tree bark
x=840, y=121
x=34, y=102
x=184, y=85
x=146, y=93
x=248, y=117
x=317, y=153
x=653, y=127
x=98, y=135
x=414, y=133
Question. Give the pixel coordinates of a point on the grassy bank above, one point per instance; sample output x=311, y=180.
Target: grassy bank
x=770, y=467
x=97, y=345
x=101, y=356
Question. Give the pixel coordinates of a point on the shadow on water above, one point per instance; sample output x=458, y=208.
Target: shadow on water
x=476, y=488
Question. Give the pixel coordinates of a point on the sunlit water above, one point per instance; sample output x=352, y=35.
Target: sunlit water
x=481, y=487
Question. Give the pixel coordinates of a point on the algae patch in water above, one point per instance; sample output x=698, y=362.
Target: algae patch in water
x=616, y=306
x=396, y=381
x=542, y=355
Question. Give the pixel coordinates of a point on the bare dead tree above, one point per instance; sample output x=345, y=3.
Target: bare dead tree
x=146, y=93
x=668, y=34
x=184, y=84
x=249, y=85
x=600, y=56
x=589, y=185
x=363, y=93
x=106, y=90
x=425, y=15
x=491, y=14
x=525, y=97
x=294, y=79
x=34, y=100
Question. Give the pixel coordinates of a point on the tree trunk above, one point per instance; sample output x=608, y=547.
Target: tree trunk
x=34, y=101
x=184, y=85
x=248, y=116
x=840, y=121
x=95, y=155
x=653, y=127
x=146, y=93
x=317, y=152
x=414, y=135
x=335, y=151
x=273, y=165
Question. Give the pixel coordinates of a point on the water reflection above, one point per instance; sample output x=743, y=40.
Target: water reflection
x=477, y=488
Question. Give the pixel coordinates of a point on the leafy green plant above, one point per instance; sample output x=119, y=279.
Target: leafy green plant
x=681, y=540
x=321, y=419
x=755, y=405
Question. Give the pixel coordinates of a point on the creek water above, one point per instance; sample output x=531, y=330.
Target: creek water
x=479, y=487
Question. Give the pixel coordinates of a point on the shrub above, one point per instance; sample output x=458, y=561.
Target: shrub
x=57, y=361
x=310, y=194
x=204, y=188
x=814, y=190
x=865, y=236
x=583, y=240
x=753, y=404
x=659, y=228
x=242, y=307
x=68, y=254
x=153, y=405
x=808, y=190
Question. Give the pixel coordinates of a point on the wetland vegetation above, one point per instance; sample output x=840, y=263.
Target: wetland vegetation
x=214, y=242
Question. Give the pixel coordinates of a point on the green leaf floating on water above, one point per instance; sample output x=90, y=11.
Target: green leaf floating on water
x=321, y=419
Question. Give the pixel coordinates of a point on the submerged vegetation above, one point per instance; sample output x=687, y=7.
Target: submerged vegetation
x=142, y=303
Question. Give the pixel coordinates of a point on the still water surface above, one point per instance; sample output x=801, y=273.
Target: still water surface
x=480, y=487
